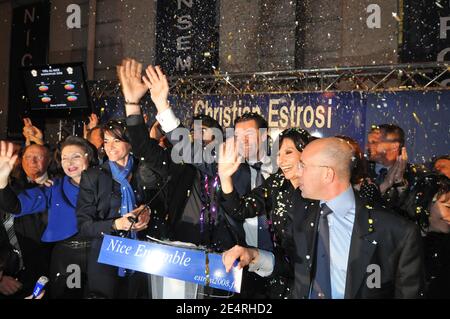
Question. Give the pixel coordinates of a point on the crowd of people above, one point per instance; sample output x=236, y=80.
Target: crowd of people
x=316, y=218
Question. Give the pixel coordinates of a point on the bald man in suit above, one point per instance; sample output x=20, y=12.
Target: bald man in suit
x=344, y=248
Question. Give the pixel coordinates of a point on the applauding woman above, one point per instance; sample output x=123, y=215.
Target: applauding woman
x=109, y=196
x=278, y=198
x=59, y=201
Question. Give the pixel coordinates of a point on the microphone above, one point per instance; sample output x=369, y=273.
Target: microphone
x=134, y=220
x=40, y=284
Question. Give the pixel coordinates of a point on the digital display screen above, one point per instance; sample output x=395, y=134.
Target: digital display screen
x=56, y=87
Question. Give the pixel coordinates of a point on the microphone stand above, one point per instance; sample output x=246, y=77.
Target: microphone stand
x=135, y=219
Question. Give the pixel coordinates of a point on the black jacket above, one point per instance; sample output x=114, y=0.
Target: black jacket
x=394, y=245
x=185, y=179
x=98, y=206
x=394, y=197
x=278, y=199
x=437, y=264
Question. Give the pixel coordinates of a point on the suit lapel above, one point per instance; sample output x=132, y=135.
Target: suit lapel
x=362, y=247
x=105, y=189
x=310, y=227
x=306, y=227
x=242, y=179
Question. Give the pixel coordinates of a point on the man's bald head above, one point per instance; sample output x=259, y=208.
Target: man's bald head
x=333, y=152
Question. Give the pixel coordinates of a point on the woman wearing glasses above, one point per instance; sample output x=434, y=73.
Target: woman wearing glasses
x=277, y=198
x=109, y=196
x=59, y=200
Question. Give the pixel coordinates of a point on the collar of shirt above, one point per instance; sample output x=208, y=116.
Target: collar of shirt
x=379, y=167
x=266, y=167
x=342, y=204
x=40, y=180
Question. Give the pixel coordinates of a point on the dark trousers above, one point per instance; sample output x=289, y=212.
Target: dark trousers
x=36, y=259
x=253, y=286
x=68, y=278
x=104, y=281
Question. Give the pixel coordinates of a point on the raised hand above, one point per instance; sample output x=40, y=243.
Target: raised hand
x=93, y=122
x=229, y=162
x=158, y=85
x=388, y=181
x=130, y=76
x=7, y=160
x=402, y=162
x=32, y=133
x=229, y=159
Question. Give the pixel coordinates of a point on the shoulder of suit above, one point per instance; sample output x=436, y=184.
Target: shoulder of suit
x=389, y=219
x=95, y=172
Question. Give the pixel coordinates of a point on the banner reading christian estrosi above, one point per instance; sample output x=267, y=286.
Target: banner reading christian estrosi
x=322, y=114
x=419, y=113
x=170, y=261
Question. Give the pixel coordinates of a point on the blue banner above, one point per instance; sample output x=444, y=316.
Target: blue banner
x=322, y=114
x=421, y=114
x=185, y=264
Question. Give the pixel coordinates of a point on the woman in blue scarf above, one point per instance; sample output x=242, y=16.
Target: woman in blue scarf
x=109, y=195
x=59, y=200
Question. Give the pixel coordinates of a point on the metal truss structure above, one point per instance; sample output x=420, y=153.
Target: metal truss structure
x=395, y=77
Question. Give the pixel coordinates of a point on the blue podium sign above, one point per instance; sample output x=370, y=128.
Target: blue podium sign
x=185, y=264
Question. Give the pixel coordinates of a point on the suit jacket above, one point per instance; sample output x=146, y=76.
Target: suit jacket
x=98, y=206
x=58, y=201
x=394, y=197
x=183, y=224
x=277, y=199
x=394, y=245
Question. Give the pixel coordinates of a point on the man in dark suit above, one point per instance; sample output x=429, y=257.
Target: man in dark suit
x=193, y=212
x=388, y=165
x=32, y=171
x=344, y=248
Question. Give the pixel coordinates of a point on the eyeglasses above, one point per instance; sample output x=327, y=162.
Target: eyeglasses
x=303, y=166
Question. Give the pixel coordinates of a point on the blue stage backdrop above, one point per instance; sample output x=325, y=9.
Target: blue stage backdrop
x=423, y=115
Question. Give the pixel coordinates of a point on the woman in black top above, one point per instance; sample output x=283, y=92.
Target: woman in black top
x=278, y=198
x=109, y=195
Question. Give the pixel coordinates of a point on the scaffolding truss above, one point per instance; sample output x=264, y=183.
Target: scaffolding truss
x=395, y=77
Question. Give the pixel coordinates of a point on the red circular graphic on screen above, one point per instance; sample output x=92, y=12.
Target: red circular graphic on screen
x=46, y=99
x=43, y=88
x=69, y=87
x=72, y=98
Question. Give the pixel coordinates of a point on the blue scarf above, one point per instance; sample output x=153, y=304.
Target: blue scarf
x=128, y=200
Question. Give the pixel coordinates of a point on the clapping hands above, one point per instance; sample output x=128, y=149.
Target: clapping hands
x=32, y=133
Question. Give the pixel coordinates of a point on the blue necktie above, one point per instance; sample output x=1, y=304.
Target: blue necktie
x=259, y=178
x=322, y=280
x=381, y=175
